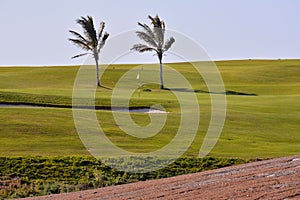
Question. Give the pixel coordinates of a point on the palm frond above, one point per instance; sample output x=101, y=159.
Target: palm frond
x=159, y=35
x=81, y=44
x=168, y=43
x=158, y=29
x=163, y=28
x=92, y=41
x=147, y=38
x=155, y=21
x=147, y=29
x=163, y=25
x=142, y=48
x=79, y=55
x=103, y=40
x=101, y=28
x=78, y=36
x=89, y=30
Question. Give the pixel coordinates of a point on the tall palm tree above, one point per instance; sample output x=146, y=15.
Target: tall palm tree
x=155, y=39
x=92, y=42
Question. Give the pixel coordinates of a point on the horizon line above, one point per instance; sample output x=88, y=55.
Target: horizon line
x=133, y=63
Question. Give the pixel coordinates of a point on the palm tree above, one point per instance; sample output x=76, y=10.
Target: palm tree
x=92, y=42
x=155, y=41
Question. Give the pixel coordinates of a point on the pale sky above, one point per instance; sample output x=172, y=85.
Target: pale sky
x=35, y=32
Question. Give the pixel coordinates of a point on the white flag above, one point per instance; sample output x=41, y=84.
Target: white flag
x=138, y=76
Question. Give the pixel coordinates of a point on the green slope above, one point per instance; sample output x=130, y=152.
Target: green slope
x=265, y=125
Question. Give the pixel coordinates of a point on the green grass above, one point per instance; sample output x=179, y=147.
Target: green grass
x=33, y=131
x=266, y=125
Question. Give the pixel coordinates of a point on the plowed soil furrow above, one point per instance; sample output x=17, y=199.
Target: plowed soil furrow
x=269, y=179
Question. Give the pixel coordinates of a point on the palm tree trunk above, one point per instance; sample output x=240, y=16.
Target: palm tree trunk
x=161, y=73
x=97, y=69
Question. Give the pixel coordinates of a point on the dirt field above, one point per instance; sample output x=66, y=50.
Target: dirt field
x=270, y=179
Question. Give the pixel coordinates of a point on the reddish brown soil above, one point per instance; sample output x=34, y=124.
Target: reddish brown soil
x=269, y=179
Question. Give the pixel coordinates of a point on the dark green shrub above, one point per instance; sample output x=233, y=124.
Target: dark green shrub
x=33, y=176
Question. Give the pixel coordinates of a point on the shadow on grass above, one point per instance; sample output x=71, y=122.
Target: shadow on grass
x=227, y=92
x=105, y=87
x=43, y=105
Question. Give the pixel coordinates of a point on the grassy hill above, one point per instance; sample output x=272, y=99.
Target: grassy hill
x=263, y=125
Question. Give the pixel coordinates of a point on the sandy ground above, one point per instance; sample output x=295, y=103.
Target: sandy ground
x=269, y=179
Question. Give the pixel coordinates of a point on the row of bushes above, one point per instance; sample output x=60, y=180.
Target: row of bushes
x=33, y=176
